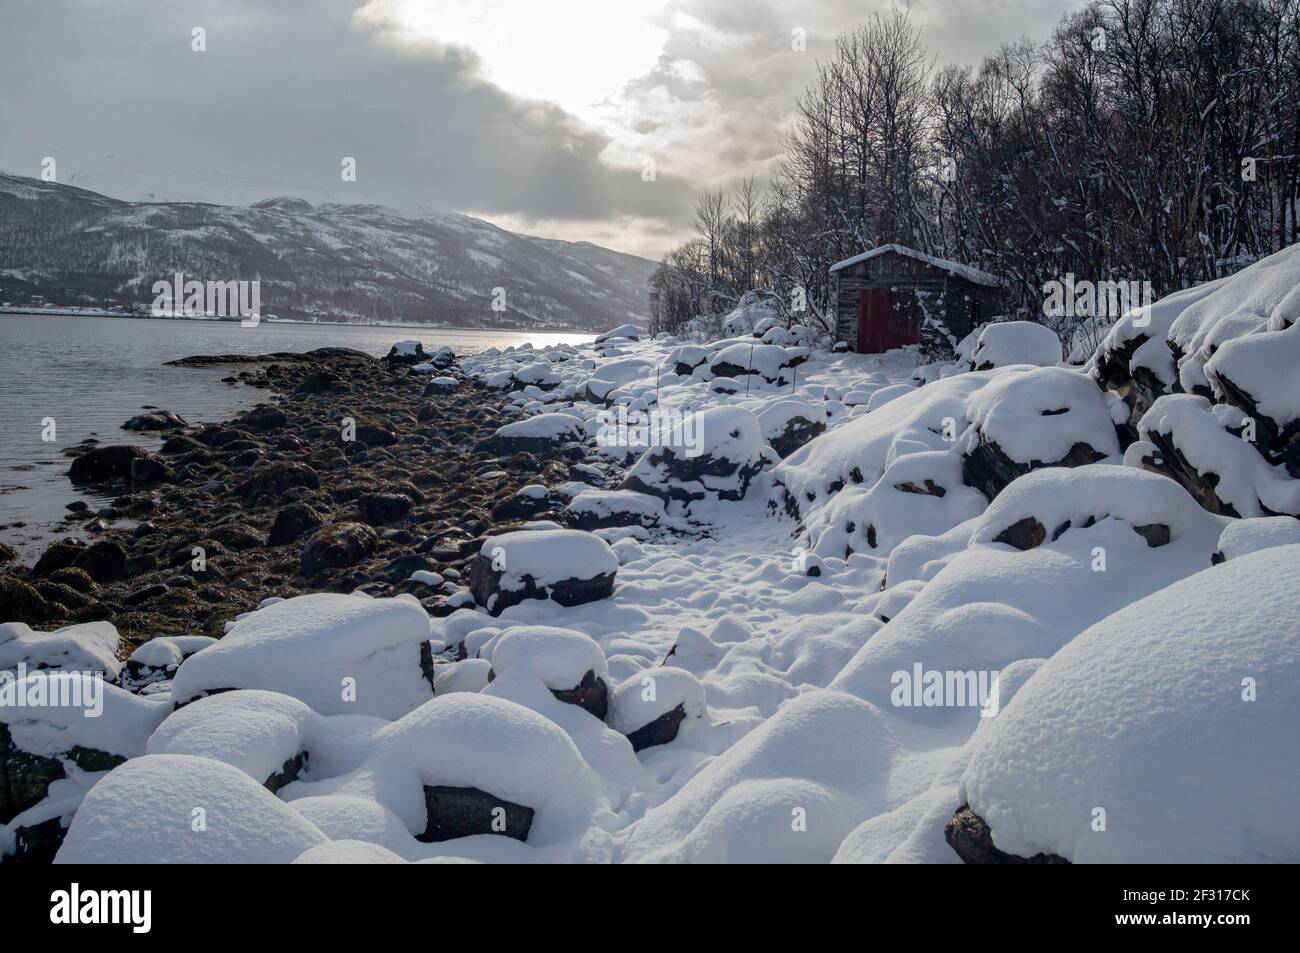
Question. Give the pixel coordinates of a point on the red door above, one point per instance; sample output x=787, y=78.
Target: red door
x=873, y=320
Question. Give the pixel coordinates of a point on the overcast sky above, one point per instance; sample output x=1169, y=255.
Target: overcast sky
x=539, y=115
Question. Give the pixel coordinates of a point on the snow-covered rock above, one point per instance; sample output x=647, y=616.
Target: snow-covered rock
x=87, y=647
x=655, y=706
x=183, y=809
x=728, y=457
x=567, y=566
x=1170, y=721
x=340, y=654
x=537, y=434
x=1015, y=342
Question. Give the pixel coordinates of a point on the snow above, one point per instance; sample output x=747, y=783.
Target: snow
x=50, y=713
x=558, y=657
x=1150, y=716
x=1016, y=342
x=1243, y=537
x=87, y=647
x=790, y=607
x=182, y=809
x=1041, y=413
x=651, y=694
x=1198, y=429
x=638, y=508
x=558, y=426
x=629, y=331
x=548, y=557
x=964, y=271
x=340, y=654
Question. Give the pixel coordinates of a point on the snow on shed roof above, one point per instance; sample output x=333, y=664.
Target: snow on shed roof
x=973, y=275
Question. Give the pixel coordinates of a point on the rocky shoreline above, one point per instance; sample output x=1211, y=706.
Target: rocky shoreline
x=356, y=474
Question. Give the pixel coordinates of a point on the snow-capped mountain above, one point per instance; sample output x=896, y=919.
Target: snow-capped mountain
x=330, y=261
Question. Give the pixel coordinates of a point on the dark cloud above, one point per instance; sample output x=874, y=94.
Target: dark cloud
x=113, y=91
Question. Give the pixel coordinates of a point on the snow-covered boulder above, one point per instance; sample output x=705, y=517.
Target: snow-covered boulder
x=183, y=809
x=789, y=791
x=1171, y=721
x=569, y=663
x=1206, y=448
x=53, y=724
x=539, y=374
x=261, y=733
x=1027, y=418
x=630, y=332
x=687, y=358
x=87, y=647
x=1058, y=550
x=790, y=423
x=340, y=654
x=603, y=509
x=439, y=386
x=1243, y=537
x=406, y=352
x=536, y=434
x=657, y=705
x=567, y=566
x=473, y=764
x=727, y=458
x=159, y=658
x=1015, y=342
x=766, y=360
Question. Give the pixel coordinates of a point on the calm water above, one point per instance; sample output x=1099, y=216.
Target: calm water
x=91, y=374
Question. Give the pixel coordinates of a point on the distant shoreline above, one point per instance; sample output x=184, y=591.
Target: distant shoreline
x=105, y=313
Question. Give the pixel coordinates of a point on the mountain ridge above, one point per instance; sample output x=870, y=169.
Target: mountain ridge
x=327, y=260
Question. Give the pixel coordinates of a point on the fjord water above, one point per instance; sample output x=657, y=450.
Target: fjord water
x=91, y=373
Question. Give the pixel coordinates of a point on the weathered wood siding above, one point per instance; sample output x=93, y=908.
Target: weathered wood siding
x=918, y=288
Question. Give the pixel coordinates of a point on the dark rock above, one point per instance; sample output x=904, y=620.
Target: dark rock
x=140, y=563
x=317, y=382
x=264, y=418
x=149, y=470
x=288, y=773
x=77, y=506
x=276, y=478
x=464, y=812
x=1156, y=534
x=7, y=553
x=236, y=536
x=988, y=469
x=25, y=777
x=970, y=837
x=57, y=556
x=64, y=595
x=291, y=522
x=373, y=435
x=591, y=694
x=436, y=388
x=380, y=508
x=38, y=843
x=178, y=444
x=417, y=356
x=104, y=560
x=797, y=432
x=1023, y=534
x=400, y=569
x=660, y=731
x=145, y=594
x=336, y=547
x=20, y=602
x=105, y=464
x=75, y=578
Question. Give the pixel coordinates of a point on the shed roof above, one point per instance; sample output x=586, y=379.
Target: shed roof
x=973, y=275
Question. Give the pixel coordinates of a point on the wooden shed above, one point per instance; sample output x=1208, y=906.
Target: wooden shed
x=883, y=296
